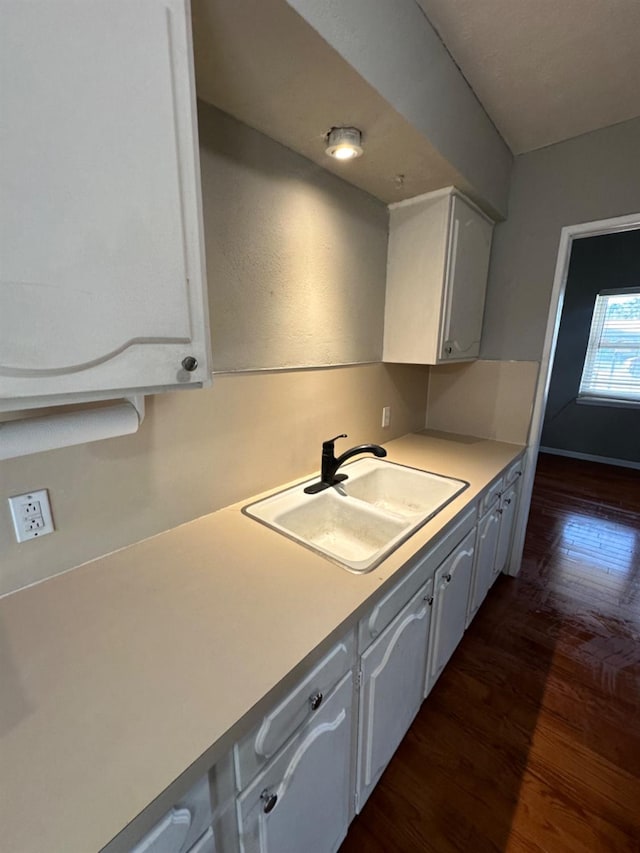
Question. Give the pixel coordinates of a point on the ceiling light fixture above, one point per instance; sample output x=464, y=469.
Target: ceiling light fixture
x=344, y=143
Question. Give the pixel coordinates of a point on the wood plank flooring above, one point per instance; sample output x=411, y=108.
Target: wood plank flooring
x=530, y=740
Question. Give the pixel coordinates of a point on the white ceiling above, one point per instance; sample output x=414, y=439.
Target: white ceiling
x=545, y=70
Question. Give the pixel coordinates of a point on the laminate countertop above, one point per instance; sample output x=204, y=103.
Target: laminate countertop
x=143, y=667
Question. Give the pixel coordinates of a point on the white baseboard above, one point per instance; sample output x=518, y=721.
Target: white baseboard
x=588, y=457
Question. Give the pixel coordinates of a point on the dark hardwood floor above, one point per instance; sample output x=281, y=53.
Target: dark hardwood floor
x=530, y=740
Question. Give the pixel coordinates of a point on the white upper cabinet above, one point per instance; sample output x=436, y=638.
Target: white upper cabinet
x=438, y=260
x=102, y=281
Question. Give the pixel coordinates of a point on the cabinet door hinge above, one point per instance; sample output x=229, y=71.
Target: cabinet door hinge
x=359, y=679
x=356, y=802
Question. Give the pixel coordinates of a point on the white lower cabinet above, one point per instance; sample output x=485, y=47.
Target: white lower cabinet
x=485, y=560
x=451, y=594
x=299, y=803
x=508, y=507
x=392, y=682
x=495, y=533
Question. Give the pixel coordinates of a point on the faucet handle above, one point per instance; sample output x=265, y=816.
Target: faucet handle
x=329, y=442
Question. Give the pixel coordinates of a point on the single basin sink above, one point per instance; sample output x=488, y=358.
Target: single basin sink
x=361, y=520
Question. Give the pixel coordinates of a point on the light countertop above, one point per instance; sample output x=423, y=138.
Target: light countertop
x=118, y=676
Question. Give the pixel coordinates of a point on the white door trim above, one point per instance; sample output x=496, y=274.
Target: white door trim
x=568, y=234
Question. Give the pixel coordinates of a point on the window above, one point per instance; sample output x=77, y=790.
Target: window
x=611, y=369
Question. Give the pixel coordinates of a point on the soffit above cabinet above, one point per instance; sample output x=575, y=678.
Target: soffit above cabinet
x=266, y=66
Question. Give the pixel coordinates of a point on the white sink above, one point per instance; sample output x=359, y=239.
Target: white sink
x=361, y=520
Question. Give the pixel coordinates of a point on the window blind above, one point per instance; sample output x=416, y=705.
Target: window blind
x=612, y=363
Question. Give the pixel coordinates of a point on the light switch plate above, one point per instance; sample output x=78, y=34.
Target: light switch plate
x=31, y=514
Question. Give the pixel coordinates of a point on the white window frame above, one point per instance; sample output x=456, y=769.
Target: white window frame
x=592, y=391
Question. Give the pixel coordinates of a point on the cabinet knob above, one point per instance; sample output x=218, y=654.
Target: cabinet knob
x=448, y=349
x=269, y=800
x=507, y=501
x=499, y=511
x=428, y=599
x=315, y=701
x=447, y=578
x=190, y=363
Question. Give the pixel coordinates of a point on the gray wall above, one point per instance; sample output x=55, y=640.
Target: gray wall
x=597, y=263
x=591, y=177
x=296, y=257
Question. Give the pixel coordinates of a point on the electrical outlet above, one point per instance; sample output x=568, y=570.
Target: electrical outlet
x=386, y=416
x=31, y=515
x=32, y=508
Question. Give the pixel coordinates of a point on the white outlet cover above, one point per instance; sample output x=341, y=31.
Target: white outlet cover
x=28, y=522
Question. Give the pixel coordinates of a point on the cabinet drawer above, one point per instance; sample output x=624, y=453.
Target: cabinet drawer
x=392, y=603
x=451, y=539
x=491, y=496
x=182, y=825
x=255, y=749
x=514, y=471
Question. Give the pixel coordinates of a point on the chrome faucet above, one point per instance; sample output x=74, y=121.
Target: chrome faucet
x=330, y=465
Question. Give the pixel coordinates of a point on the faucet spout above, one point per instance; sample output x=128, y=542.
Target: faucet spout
x=378, y=451
x=329, y=472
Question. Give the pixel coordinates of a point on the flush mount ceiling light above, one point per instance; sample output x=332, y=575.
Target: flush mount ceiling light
x=344, y=143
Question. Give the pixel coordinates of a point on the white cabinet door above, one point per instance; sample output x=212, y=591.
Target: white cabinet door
x=300, y=802
x=451, y=594
x=468, y=265
x=102, y=285
x=485, y=559
x=392, y=673
x=508, y=507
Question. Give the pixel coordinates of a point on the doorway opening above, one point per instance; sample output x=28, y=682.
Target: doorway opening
x=569, y=235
